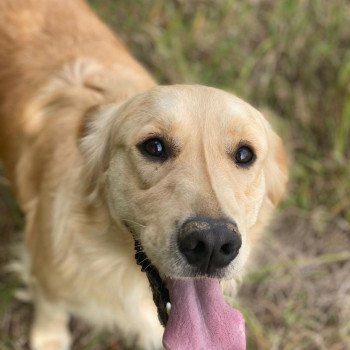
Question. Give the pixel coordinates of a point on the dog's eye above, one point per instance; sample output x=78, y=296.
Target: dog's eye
x=244, y=156
x=154, y=148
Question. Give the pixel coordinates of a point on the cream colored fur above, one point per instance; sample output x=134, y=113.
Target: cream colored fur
x=70, y=148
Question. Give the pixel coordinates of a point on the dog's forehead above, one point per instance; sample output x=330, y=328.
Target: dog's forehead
x=181, y=103
x=183, y=111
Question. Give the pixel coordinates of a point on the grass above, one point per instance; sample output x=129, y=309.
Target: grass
x=289, y=56
x=291, y=59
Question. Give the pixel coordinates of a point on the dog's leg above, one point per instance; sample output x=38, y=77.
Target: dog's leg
x=50, y=327
x=140, y=329
x=150, y=331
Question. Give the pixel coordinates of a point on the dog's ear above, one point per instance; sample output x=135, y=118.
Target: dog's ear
x=276, y=176
x=95, y=145
x=276, y=168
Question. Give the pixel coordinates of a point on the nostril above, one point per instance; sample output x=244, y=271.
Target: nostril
x=194, y=246
x=227, y=249
x=200, y=248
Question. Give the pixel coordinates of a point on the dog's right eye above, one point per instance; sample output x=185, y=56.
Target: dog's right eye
x=154, y=148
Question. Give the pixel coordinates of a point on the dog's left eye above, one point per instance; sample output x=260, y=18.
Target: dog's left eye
x=154, y=148
x=244, y=156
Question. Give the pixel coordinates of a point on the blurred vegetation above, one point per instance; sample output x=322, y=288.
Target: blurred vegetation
x=291, y=56
x=291, y=59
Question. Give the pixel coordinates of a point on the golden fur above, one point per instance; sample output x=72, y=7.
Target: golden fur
x=73, y=106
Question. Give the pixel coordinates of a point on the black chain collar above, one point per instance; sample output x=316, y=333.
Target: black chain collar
x=159, y=290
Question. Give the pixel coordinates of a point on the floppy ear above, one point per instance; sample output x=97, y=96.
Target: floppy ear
x=276, y=176
x=276, y=169
x=95, y=145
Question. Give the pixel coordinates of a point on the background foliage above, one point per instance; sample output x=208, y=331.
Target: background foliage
x=292, y=60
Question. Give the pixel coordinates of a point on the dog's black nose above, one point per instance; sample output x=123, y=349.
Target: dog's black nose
x=209, y=244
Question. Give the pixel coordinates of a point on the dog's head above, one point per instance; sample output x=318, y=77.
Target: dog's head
x=192, y=171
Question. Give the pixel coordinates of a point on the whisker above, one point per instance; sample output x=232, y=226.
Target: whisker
x=145, y=259
x=145, y=269
x=134, y=222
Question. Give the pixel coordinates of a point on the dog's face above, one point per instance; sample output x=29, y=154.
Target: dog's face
x=192, y=171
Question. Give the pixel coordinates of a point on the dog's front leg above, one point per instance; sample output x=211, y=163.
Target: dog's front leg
x=141, y=330
x=50, y=327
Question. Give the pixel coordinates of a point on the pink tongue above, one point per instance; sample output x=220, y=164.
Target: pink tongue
x=200, y=319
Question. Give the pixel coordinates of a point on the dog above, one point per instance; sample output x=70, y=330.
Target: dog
x=102, y=161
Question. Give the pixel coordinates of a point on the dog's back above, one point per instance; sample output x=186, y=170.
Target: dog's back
x=57, y=60
x=59, y=48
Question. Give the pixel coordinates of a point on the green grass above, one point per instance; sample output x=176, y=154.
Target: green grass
x=290, y=56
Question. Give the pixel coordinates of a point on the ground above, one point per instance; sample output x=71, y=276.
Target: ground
x=292, y=60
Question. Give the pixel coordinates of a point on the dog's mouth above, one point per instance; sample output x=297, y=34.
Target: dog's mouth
x=193, y=311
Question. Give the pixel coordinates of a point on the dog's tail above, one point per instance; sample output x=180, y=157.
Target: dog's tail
x=78, y=86
x=74, y=86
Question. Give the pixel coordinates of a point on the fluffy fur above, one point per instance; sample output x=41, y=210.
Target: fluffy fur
x=73, y=107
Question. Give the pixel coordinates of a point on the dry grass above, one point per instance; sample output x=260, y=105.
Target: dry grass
x=299, y=297
x=293, y=59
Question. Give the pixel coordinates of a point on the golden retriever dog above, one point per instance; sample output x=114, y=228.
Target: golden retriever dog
x=103, y=161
